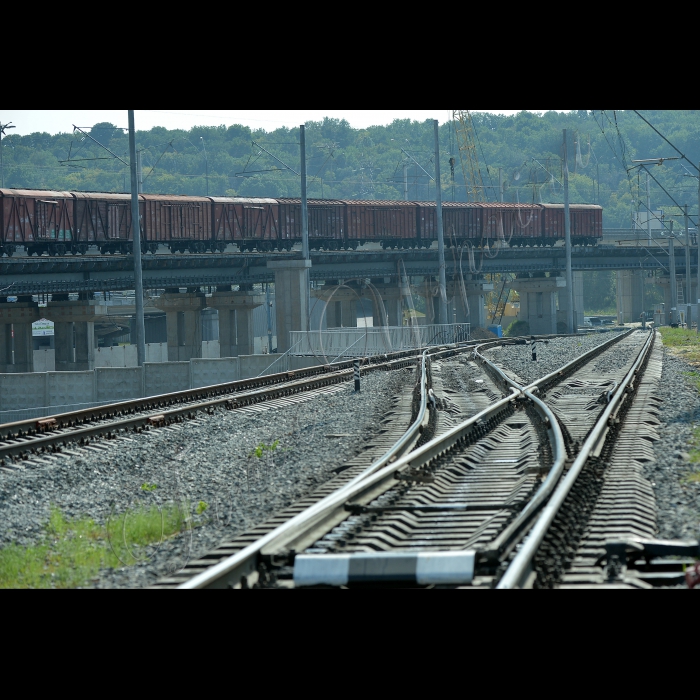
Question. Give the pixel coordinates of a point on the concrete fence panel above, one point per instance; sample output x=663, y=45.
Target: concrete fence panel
x=156, y=352
x=298, y=362
x=210, y=349
x=25, y=390
x=165, y=377
x=67, y=388
x=118, y=383
x=217, y=371
x=253, y=365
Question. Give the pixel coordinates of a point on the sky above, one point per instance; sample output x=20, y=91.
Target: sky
x=28, y=121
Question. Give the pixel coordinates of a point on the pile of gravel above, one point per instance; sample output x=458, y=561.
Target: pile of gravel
x=210, y=459
x=517, y=359
x=677, y=498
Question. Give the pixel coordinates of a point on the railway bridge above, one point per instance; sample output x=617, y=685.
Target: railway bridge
x=537, y=274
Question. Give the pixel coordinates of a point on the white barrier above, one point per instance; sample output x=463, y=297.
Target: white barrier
x=364, y=342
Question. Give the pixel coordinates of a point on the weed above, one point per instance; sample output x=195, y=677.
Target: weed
x=262, y=448
x=149, y=487
x=201, y=507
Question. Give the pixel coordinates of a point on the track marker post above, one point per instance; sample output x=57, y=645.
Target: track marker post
x=356, y=372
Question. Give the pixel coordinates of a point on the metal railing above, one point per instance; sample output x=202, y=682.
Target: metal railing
x=365, y=342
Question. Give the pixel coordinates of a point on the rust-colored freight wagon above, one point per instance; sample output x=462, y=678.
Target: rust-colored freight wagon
x=104, y=220
x=586, y=223
x=461, y=221
x=517, y=224
x=327, y=223
x=39, y=220
x=182, y=223
x=393, y=224
x=250, y=223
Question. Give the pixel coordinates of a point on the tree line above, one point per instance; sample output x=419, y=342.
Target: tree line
x=384, y=162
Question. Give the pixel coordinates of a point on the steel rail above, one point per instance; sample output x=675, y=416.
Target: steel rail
x=44, y=440
x=233, y=568
x=509, y=537
x=557, y=374
x=375, y=477
x=243, y=562
x=30, y=426
x=520, y=569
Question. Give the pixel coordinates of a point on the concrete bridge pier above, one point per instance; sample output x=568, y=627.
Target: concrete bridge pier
x=16, y=319
x=538, y=302
x=291, y=298
x=630, y=295
x=563, y=313
x=475, y=312
x=183, y=314
x=74, y=331
x=391, y=296
x=341, y=309
x=235, y=309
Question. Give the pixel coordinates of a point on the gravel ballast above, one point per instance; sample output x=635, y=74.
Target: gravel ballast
x=677, y=498
x=677, y=495
x=550, y=356
x=210, y=460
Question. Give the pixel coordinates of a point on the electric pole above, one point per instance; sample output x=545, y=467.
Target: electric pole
x=136, y=228
x=139, y=171
x=440, y=234
x=206, y=163
x=500, y=183
x=672, y=268
x=688, y=278
x=405, y=182
x=648, y=210
x=567, y=237
x=2, y=167
x=304, y=203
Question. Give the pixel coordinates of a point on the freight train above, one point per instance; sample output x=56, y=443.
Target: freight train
x=56, y=223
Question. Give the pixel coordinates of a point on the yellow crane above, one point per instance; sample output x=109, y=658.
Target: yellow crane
x=466, y=142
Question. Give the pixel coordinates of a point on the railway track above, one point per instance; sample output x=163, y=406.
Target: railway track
x=27, y=440
x=458, y=502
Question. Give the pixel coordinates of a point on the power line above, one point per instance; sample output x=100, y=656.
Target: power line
x=665, y=139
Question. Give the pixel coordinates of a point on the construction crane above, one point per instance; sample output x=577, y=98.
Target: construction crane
x=466, y=142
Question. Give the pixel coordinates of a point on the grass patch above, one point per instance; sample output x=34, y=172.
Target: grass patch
x=73, y=550
x=682, y=342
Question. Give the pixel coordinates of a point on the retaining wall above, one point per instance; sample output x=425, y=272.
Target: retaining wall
x=218, y=371
x=118, y=383
x=165, y=377
x=34, y=394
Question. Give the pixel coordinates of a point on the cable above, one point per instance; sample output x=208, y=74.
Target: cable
x=665, y=139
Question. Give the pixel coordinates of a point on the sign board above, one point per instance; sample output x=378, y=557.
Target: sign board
x=42, y=327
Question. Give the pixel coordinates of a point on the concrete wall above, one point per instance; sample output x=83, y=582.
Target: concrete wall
x=302, y=362
x=18, y=391
x=34, y=394
x=165, y=377
x=210, y=349
x=253, y=365
x=118, y=383
x=67, y=388
x=209, y=372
